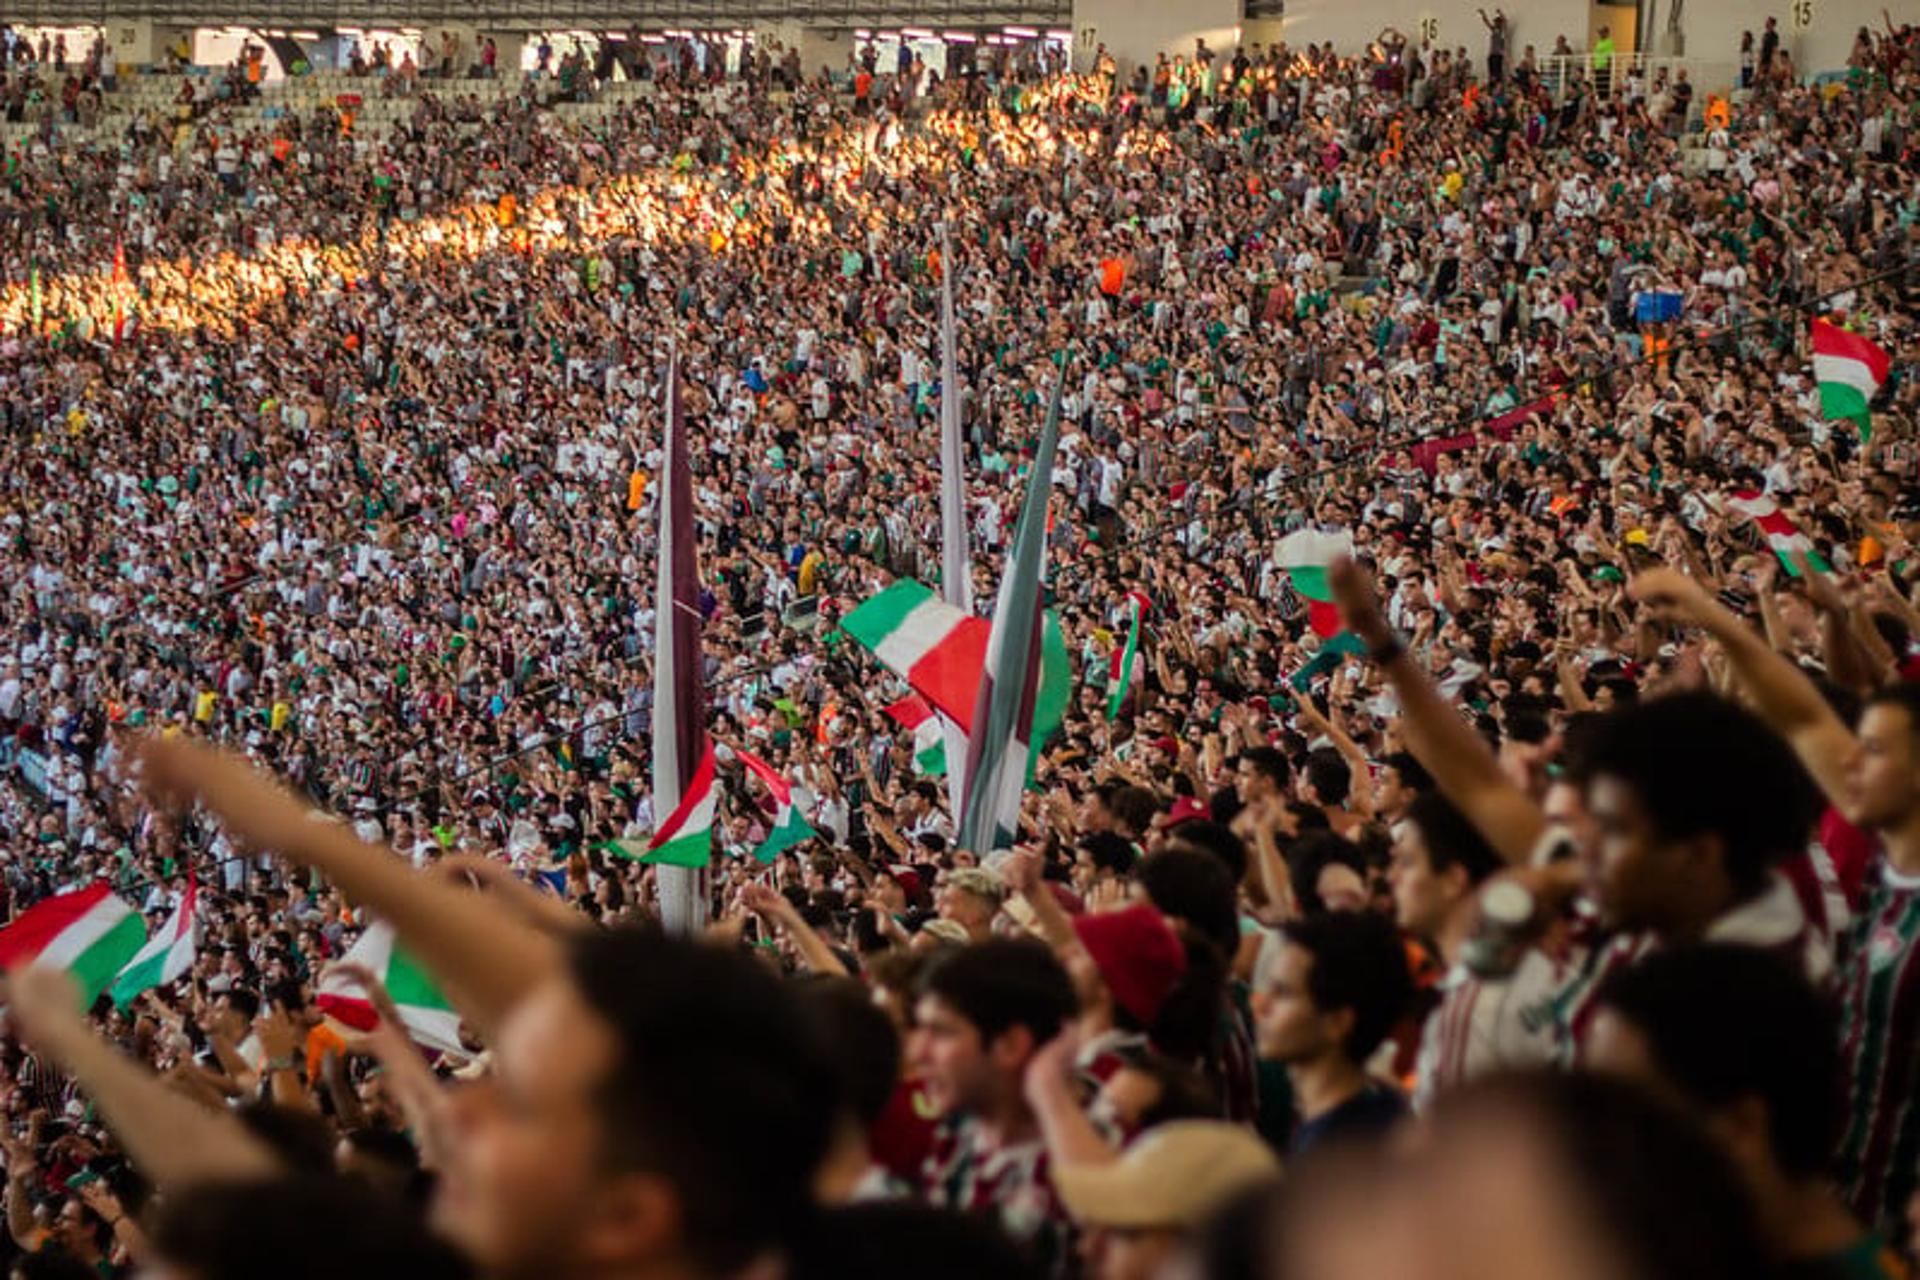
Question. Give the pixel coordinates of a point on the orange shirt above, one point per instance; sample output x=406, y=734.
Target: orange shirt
x=319, y=1041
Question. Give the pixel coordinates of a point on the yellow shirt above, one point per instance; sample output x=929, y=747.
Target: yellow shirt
x=810, y=572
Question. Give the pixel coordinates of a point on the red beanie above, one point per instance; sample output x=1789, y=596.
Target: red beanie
x=1138, y=954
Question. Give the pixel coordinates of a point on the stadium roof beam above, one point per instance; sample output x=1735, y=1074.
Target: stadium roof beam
x=535, y=15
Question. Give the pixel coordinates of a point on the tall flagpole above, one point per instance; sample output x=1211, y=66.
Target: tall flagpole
x=956, y=569
x=679, y=713
x=1002, y=739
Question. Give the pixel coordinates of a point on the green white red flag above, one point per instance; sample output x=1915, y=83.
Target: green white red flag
x=1850, y=370
x=936, y=647
x=427, y=1013
x=940, y=651
x=1781, y=533
x=929, y=742
x=1306, y=554
x=789, y=828
x=685, y=837
x=90, y=934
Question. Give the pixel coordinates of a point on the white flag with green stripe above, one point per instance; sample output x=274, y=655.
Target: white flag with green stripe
x=167, y=956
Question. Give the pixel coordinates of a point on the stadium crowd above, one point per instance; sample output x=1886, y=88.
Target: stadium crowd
x=329, y=478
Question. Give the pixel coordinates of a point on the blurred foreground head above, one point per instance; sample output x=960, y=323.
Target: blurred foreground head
x=657, y=1105
x=247, y=1230
x=1525, y=1177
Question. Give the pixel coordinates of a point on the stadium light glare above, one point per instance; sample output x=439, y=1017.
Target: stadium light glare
x=1025, y=33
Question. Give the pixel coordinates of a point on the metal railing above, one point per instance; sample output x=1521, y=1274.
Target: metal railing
x=1647, y=72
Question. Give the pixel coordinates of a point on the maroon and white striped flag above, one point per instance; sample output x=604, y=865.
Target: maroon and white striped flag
x=679, y=710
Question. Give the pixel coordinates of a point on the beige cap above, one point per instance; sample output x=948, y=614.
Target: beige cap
x=946, y=931
x=1173, y=1177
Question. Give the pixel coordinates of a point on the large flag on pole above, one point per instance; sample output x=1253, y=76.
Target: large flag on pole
x=789, y=828
x=684, y=838
x=1001, y=742
x=940, y=651
x=956, y=569
x=936, y=647
x=680, y=745
x=90, y=933
x=167, y=955
x=1850, y=370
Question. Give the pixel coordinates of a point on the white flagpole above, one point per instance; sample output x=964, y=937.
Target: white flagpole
x=956, y=570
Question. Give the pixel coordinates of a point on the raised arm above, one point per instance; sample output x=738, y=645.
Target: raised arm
x=1069, y=1132
x=772, y=906
x=1361, y=796
x=175, y=1141
x=27, y=1233
x=1850, y=663
x=424, y=1103
x=544, y=911
x=1461, y=762
x=1023, y=872
x=1259, y=825
x=485, y=955
x=1782, y=693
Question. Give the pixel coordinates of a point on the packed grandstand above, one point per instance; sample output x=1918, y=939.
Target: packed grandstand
x=676, y=665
